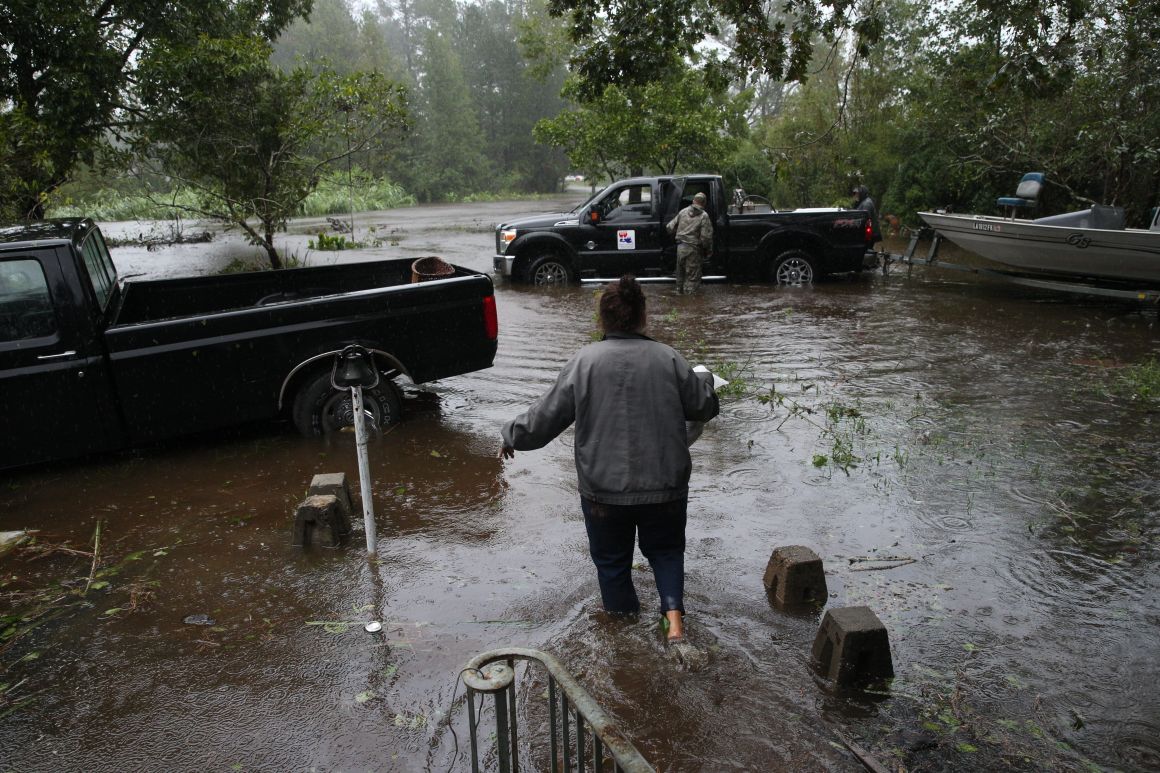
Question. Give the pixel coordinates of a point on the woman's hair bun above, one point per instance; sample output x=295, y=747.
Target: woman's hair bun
x=622, y=306
x=628, y=287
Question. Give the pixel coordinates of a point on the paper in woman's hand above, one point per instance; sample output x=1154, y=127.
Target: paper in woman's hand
x=718, y=382
x=693, y=429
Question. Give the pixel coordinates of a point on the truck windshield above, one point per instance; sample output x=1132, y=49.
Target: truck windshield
x=99, y=264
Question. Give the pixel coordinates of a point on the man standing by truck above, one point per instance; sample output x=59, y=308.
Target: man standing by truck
x=693, y=230
x=863, y=202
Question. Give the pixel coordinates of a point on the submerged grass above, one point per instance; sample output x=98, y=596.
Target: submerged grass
x=1140, y=381
x=64, y=580
x=934, y=719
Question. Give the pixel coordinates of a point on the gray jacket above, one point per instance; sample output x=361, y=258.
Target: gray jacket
x=629, y=397
x=692, y=226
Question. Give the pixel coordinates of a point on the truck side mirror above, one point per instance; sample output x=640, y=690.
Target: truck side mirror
x=594, y=216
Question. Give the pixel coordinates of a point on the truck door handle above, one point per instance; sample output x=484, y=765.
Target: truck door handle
x=62, y=355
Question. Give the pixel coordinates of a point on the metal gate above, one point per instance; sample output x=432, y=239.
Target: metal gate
x=582, y=735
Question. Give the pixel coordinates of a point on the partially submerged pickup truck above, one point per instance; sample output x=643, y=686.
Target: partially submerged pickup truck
x=90, y=363
x=622, y=230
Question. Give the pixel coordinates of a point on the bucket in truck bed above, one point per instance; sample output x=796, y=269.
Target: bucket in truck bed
x=431, y=267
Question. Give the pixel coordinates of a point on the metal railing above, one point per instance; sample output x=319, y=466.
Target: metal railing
x=573, y=716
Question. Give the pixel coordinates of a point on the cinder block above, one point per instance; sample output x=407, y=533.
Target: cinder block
x=333, y=483
x=852, y=646
x=794, y=576
x=320, y=513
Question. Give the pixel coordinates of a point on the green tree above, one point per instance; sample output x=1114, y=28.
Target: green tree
x=981, y=110
x=688, y=121
x=68, y=73
x=254, y=140
x=804, y=142
x=447, y=154
x=330, y=33
x=511, y=95
x=635, y=41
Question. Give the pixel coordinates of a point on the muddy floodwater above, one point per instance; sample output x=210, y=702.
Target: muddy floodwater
x=974, y=461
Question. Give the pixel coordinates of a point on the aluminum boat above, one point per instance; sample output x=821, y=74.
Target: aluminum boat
x=1089, y=244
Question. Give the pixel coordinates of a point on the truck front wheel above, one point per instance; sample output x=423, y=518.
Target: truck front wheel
x=793, y=268
x=549, y=270
x=320, y=409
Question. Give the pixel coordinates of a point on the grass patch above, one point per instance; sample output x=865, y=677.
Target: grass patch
x=1140, y=381
x=334, y=196
x=111, y=205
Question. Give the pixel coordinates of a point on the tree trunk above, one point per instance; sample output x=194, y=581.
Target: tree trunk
x=271, y=253
x=32, y=208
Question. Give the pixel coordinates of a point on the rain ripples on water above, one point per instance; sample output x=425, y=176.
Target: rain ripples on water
x=956, y=451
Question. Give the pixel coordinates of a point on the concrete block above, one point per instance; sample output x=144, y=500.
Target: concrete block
x=320, y=513
x=852, y=646
x=333, y=483
x=794, y=576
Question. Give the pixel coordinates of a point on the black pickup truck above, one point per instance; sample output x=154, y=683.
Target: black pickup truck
x=622, y=230
x=90, y=363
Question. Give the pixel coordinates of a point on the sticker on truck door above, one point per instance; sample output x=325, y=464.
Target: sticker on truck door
x=626, y=240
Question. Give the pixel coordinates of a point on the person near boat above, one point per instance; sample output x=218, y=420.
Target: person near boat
x=629, y=398
x=863, y=202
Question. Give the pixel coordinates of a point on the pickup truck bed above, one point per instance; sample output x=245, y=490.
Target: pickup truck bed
x=113, y=364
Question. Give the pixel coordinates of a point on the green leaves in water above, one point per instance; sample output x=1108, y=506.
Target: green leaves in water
x=1141, y=381
x=332, y=626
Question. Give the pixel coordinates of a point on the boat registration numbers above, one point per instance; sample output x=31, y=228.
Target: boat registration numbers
x=987, y=227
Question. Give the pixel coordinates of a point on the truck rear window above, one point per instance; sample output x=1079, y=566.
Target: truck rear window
x=25, y=305
x=100, y=267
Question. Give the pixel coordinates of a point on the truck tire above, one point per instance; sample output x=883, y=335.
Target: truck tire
x=320, y=409
x=549, y=270
x=792, y=268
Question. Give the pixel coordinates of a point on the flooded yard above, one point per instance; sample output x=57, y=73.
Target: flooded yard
x=972, y=460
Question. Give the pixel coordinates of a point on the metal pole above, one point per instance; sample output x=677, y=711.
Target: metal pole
x=364, y=470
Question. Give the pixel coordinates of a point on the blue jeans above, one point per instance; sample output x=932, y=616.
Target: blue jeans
x=612, y=531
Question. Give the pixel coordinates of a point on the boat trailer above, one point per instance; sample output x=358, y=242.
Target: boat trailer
x=1079, y=285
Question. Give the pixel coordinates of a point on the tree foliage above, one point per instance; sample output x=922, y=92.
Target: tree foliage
x=448, y=154
x=253, y=140
x=473, y=97
x=632, y=42
x=67, y=74
x=688, y=121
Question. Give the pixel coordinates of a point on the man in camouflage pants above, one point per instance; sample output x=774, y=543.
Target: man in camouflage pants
x=693, y=231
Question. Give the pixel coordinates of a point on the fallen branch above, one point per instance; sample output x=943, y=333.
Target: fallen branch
x=863, y=756
x=860, y=559
x=893, y=565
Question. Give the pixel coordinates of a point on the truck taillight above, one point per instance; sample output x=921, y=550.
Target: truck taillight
x=490, y=318
x=869, y=231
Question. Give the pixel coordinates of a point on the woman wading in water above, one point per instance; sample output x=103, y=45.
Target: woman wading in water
x=629, y=397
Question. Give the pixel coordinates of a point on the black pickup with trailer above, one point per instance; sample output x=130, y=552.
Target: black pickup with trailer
x=91, y=363
x=621, y=230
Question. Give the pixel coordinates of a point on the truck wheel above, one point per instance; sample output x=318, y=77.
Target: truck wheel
x=793, y=268
x=549, y=270
x=320, y=409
